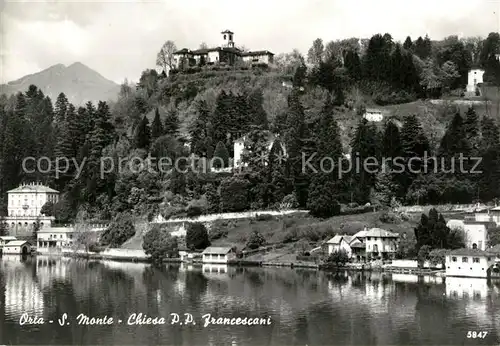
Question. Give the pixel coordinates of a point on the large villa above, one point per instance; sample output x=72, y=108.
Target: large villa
x=227, y=53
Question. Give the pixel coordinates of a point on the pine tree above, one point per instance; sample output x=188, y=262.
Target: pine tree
x=156, y=126
x=61, y=107
x=353, y=65
x=472, y=131
x=199, y=129
x=171, y=123
x=322, y=200
x=221, y=156
x=391, y=141
x=257, y=112
x=408, y=45
x=414, y=144
x=295, y=138
x=454, y=141
x=365, y=146
x=143, y=134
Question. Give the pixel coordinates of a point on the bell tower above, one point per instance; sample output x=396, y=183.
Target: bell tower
x=227, y=39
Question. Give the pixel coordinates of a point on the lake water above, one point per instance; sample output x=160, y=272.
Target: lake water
x=305, y=307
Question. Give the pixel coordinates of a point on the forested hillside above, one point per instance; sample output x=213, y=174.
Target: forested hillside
x=313, y=104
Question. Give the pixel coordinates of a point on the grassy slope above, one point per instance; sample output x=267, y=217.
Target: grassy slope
x=275, y=230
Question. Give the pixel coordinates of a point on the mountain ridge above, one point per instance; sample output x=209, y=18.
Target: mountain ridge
x=77, y=81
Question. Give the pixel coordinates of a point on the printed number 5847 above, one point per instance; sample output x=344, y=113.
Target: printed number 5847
x=476, y=335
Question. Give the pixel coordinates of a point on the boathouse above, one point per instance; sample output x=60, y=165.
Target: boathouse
x=214, y=254
x=16, y=247
x=472, y=263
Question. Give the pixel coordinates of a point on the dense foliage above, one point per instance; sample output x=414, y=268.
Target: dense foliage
x=159, y=244
x=112, y=151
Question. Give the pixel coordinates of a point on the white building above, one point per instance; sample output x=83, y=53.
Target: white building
x=57, y=239
x=16, y=247
x=374, y=115
x=227, y=53
x=379, y=243
x=24, y=207
x=338, y=243
x=471, y=263
x=475, y=77
x=221, y=255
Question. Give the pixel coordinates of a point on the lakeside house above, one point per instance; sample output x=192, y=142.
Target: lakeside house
x=16, y=247
x=378, y=242
x=354, y=248
x=24, y=208
x=57, y=239
x=5, y=239
x=473, y=263
x=227, y=53
x=222, y=255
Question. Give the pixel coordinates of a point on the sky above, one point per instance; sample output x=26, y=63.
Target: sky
x=120, y=39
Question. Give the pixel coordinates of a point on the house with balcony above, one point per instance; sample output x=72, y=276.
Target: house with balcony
x=378, y=242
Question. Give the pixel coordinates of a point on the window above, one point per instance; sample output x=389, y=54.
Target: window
x=454, y=259
x=230, y=37
x=475, y=260
x=224, y=37
x=464, y=259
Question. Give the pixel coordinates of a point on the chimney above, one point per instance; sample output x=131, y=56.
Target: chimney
x=365, y=228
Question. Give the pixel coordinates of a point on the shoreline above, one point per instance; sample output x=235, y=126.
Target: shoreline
x=250, y=263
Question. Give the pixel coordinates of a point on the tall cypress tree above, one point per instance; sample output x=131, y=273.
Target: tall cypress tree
x=257, y=112
x=156, y=126
x=143, y=134
x=295, y=137
x=414, y=143
x=200, y=129
x=365, y=145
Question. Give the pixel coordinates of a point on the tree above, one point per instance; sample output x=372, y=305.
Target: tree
x=316, y=52
x=156, y=126
x=197, y=236
x=338, y=258
x=3, y=227
x=171, y=123
x=322, y=200
x=423, y=255
x=221, y=156
x=165, y=57
x=143, y=134
x=234, y=194
x=408, y=43
x=120, y=230
x=159, y=244
x=255, y=241
x=433, y=233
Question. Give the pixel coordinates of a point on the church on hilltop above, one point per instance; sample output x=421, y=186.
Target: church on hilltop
x=226, y=54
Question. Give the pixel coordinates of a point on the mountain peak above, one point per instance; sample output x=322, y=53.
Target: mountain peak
x=79, y=82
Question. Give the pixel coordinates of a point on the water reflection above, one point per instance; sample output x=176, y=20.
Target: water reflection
x=306, y=306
